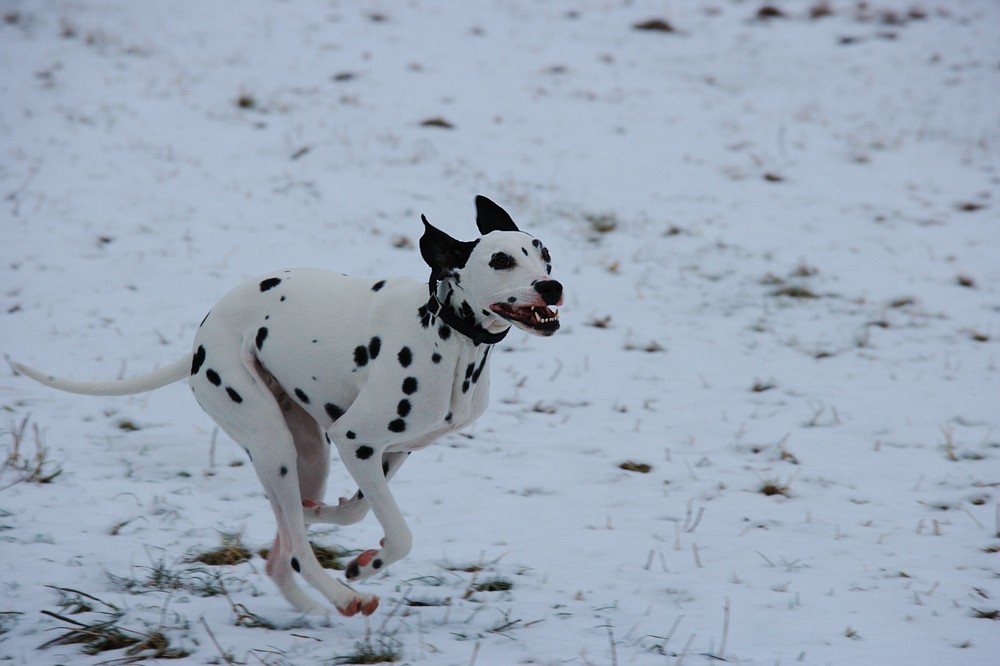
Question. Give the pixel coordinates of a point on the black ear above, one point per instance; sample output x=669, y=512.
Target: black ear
x=491, y=217
x=442, y=252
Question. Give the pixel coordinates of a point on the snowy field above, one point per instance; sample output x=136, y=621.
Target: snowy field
x=778, y=229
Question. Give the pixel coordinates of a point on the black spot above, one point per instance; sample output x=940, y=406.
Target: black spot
x=465, y=386
x=360, y=356
x=536, y=243
x=444, y=332
x=352, y=570
x=378, y=285
x=282, y=299
x=361, y=495
x=405, y=357
x=487, y=313
x=295, y=564
x=482, y=364
x=525, y=251
x=233, y=395
x=270, y=283
x=364, y=452
x=448, y=417
x=403, y=408
x=469, y=369
x=424, y=315
x=199, y=359
x=436, y=358
x=248, y=454
x=261, y=336
x=376, y=564
x=327, y=438
x=301, y=395
x=397, y=425
x=548, y=269
x=410, y=385
x=385, y=468
x=350, y=434
x=213, y=376
x=501, y=261
x=374, y=346
x=512, y=300
x=284, y=471
x=333, y=411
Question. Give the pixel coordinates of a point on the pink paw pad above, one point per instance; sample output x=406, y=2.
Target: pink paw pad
x=358, y=606
x=363, y=560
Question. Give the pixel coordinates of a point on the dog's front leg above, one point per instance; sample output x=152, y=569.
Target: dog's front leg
x=364, y=462
x=353, y=510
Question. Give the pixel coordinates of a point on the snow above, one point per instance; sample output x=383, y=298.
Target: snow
x=680, y=180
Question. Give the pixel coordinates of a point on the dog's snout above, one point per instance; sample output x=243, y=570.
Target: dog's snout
x=550, y=291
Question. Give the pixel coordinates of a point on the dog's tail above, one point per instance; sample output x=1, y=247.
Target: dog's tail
x=168, y=374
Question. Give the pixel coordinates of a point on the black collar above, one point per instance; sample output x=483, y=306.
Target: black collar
x=469, y=329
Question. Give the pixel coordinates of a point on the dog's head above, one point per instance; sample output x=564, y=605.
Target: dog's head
x=500, y=279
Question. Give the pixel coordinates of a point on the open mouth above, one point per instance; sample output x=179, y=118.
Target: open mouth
x=536, y=318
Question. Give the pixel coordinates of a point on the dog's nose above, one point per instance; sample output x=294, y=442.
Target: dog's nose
x=550, y=291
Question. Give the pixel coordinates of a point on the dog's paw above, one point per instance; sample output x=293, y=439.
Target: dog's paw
x=363, y=605
x=364, y=565
x=345, y=512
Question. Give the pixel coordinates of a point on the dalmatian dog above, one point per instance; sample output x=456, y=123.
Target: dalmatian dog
x=295, y=363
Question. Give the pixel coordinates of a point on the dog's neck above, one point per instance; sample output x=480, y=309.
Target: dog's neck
x=461, y=318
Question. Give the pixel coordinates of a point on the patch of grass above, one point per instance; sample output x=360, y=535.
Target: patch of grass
x=7, y=620
x=231, y=552
x=769, y=12
x=795, y=291
x=366, y=653
x=246, y=101
x=654, y=25
x=497, y=584
x=163, y=577
x=772, y=487
x=820, y=10
x=903, y=302
x=601, y=223
x=986, y=614
x=105, y=634
x=37, y=468
x=437, y=122
x=631, y=466
x=652, y=347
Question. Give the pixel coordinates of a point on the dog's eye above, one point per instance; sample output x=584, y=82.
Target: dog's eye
x=545, y=255
x=501, y=261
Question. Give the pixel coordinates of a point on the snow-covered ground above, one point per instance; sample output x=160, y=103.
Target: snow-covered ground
x=779, y=237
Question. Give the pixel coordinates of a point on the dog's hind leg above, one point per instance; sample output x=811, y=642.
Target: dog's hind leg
x=236, y=395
